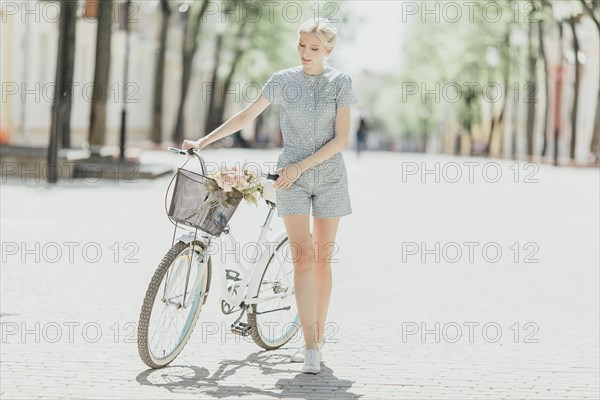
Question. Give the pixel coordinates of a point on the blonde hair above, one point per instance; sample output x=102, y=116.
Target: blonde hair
x=322, y=29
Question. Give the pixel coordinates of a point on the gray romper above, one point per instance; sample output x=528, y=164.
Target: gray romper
x=308, y=105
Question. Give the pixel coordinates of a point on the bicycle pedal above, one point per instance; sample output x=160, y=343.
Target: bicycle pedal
x=241, y=328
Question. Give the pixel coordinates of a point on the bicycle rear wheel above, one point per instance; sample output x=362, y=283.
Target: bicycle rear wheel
x=172, y=304
x=275, y=321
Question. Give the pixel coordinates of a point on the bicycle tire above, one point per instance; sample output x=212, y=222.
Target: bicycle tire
x=254, y=322
x=150, y=297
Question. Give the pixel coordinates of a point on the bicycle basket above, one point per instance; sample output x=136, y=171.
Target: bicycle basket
x=198, y=202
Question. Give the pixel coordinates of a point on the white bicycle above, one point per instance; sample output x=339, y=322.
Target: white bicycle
x=262, y=288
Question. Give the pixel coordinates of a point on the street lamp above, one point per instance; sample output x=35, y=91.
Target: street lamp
x=492, y=59
x=125, y=79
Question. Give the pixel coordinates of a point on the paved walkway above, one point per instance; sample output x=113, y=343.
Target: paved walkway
x=448, y=288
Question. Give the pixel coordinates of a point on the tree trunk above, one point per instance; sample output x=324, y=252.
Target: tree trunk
x=211, y=118
x=218, y=114
x=596, y=135
x=595, y=147
x=220, y=111
x=544, y=58
x=514, y=128
x=531, y=91
x=575, y=88
x=190, y=44
x=506, y=73
x=558, y=93
x=60, y=128
x=97, y=132
x=159, y=78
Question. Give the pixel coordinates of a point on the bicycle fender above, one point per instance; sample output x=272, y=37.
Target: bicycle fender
x=187, y=238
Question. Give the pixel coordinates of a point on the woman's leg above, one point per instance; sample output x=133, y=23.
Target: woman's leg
x=324, y=233
x=298, y=230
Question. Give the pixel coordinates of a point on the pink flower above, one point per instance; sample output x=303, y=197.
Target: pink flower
x=235, y=177
x=219, y=179
x=228, y=182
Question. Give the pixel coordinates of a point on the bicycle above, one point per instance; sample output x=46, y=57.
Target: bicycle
x=262, y=288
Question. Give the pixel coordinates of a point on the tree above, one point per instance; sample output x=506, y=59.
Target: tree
x=572, y=22
x=216, y=109
x=60, y=130
x=157, y=105
x=592, y=8
x=194, y=15
x=239, y=48
x=211, y=121
x=532, y=57
x=506, y=60
x=97, y=131
x=546, y=81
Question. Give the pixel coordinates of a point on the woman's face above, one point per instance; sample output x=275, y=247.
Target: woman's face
x=311, y=50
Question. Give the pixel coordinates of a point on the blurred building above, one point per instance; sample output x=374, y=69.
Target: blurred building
x=29, y=44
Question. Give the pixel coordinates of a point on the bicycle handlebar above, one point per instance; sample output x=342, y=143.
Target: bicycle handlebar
x=193, y=151
x=189, y=152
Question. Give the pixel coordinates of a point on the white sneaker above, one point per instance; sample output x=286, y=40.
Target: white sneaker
x=312, y=362
x=298, y=356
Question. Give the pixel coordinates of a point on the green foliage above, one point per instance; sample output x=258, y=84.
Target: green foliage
x=439, y=55
x=273, y=43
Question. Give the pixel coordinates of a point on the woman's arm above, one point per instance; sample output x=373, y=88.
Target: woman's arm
x=289, y=173
x=232, y=125
x=335, y=145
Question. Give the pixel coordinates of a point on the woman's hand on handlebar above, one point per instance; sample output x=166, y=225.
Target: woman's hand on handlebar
x=195, y=144
x=189, y=144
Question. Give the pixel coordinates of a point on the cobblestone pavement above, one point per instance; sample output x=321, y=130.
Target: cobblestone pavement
x=447, y=287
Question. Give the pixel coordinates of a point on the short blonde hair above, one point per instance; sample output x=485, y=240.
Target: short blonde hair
x=322, y=29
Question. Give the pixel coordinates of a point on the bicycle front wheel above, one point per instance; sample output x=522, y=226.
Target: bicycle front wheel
x=172, y=304
x=274, y=319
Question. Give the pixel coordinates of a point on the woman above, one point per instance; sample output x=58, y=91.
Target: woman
x=314, y=101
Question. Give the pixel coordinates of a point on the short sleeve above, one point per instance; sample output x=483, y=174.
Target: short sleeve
x=345, y=93
x=272, y=89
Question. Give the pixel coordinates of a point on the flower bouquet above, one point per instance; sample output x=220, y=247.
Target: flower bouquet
x=230, y=185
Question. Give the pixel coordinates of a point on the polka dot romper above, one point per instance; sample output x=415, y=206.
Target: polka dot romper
x=308, y=105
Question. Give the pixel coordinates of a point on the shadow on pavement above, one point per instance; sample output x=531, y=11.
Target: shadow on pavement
x=191, y=379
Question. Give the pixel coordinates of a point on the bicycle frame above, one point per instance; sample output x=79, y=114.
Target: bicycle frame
x=251, y=271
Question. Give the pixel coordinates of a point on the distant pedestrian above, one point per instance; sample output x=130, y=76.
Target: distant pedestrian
x=361, y=134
